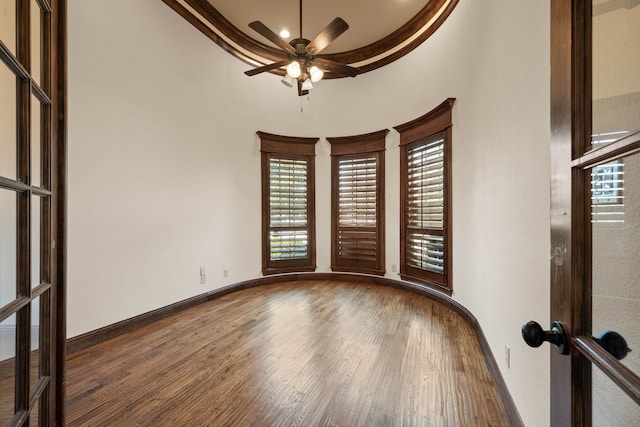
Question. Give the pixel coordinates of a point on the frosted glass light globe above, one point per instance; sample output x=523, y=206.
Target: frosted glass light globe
x=316, y=74
x=294, y=69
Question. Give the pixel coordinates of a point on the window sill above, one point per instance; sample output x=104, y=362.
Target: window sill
x=357, y=270
x=281, y=270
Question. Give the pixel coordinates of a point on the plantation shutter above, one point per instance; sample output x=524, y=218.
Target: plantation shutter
x=288, y=203
x=357, y=209
x=357, y=169
x=288, y=221
x=425, y=207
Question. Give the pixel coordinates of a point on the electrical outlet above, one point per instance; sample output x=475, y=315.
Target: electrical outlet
x=203, y=276
x=507, y=356
x=225, y=273
x=394, y=268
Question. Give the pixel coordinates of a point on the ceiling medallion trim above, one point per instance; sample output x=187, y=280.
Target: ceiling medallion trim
x=202, y=15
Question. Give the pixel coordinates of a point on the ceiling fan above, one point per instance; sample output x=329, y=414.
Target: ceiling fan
x=300, y=58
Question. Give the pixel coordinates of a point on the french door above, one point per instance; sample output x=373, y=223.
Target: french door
x=32, y=135
x=595, y=212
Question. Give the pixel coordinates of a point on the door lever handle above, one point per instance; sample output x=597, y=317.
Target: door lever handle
x=534, y=336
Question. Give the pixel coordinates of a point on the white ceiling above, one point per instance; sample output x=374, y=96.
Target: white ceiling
x=369, y=20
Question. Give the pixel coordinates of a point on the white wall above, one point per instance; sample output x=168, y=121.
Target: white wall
x=164, y=166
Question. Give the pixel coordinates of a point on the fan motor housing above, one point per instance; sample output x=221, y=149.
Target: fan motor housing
x=300, y=45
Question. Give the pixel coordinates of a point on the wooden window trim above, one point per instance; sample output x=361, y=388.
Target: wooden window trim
x=288, y=147
x=356, y=147
x=437, y=121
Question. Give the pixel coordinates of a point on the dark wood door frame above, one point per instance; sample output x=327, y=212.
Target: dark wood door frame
x=564, y=272
x=572, y=156
x=59, y=214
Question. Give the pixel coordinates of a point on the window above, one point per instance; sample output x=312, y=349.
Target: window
x=288, y=204
x=425, y=217
x=607, y=184
x=357, y=203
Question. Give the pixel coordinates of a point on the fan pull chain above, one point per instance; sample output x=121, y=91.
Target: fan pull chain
x=301, y=105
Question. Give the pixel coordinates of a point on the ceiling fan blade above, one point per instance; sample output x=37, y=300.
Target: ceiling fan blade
x=328, y=35
x=336, y=67
x=271, y=36
x=300, y=91
x=264, y=68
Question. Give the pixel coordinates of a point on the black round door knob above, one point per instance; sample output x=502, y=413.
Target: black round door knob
x=534, y=336
x=614, y=343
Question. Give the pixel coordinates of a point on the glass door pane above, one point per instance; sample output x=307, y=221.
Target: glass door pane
x=615, y=65
x=615, y=225
x=611, y=406
x=34, y=371
x=35, y=241
x=8, y=246
x=36, y=41
x=616, y=250
x=8, y=130
x=36, y=142
x=7, y=369
x=8, y=24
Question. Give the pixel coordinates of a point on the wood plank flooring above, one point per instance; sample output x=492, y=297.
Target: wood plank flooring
x=316, y=353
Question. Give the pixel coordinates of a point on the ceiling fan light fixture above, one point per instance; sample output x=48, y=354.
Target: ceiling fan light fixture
x=287, y=81
x=307, y=85
x=316, y=74
x=294, y=70
x=300, y=54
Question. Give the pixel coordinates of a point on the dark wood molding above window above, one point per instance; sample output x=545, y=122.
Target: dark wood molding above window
x=202, y=15
x=288, y=204
x=425, y=198
x=357, y=203
x=434, y=121
x=358, y=144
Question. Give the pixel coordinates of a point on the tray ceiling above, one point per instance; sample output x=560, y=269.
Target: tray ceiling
x=379, y=33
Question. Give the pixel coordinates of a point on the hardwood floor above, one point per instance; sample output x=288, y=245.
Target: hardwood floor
x=298, y=353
